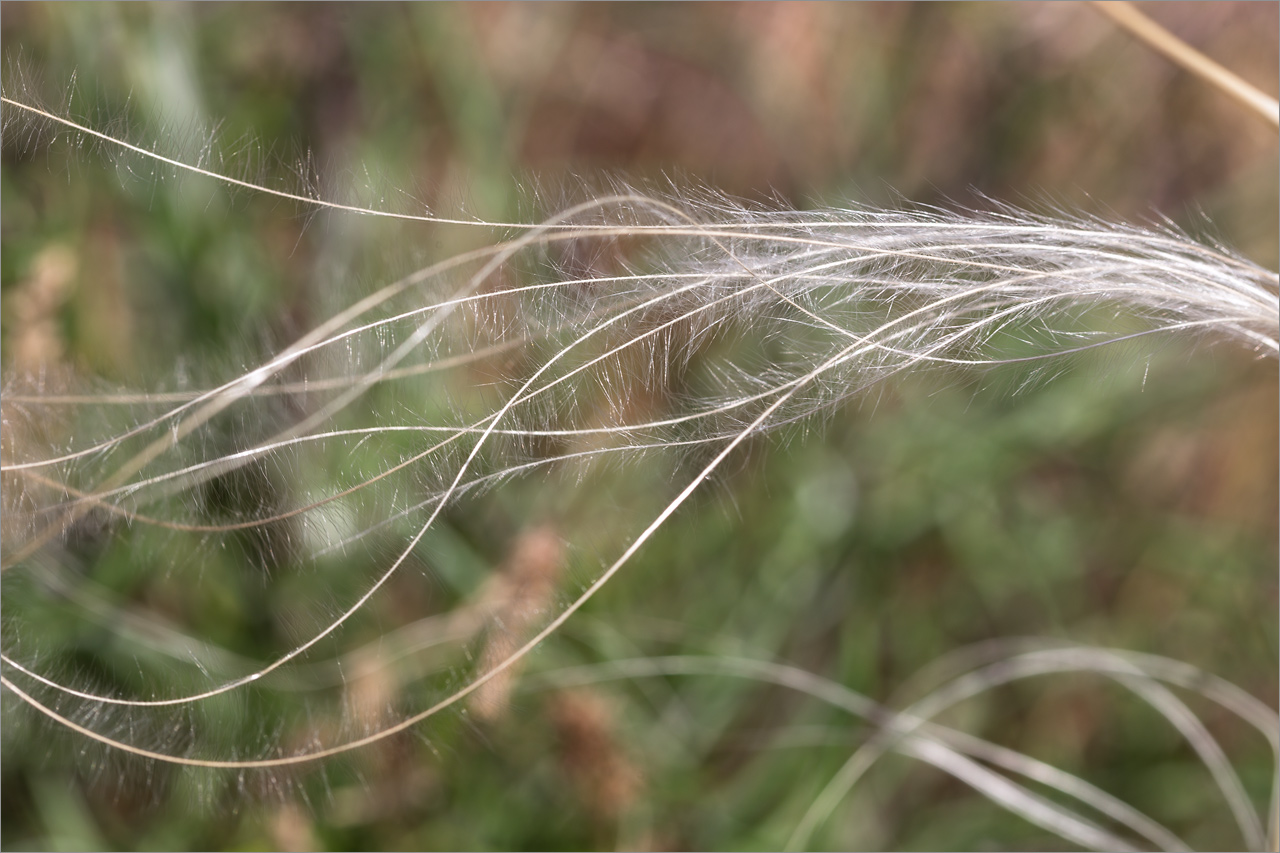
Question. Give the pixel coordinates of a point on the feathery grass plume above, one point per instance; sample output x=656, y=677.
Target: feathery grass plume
x=981, y=669
x=735, y=321
x=571, y=383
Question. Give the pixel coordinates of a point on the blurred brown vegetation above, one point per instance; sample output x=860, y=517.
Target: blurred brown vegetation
x=468, y=106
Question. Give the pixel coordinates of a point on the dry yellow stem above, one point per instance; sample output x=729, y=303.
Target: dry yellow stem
x=1127, y=15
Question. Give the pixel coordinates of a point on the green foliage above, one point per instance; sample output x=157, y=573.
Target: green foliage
x=1127, y=499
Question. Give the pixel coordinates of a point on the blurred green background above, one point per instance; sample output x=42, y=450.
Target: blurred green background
x=1130, y=502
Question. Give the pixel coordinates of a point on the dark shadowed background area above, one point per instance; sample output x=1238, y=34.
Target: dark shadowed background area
x=1129, y=502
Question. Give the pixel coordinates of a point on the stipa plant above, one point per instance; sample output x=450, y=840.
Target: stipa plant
x=313, y=497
